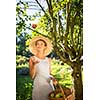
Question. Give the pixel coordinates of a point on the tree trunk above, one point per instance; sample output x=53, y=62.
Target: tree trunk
x=78, y=85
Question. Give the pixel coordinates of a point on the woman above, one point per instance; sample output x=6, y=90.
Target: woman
x=39, y=66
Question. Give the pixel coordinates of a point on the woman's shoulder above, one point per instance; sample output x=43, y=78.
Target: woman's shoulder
x=31, y=57
x=48, y=59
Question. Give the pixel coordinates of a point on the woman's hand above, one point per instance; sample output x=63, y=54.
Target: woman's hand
x=34, y=60
x=32, y=67
x=54, y=80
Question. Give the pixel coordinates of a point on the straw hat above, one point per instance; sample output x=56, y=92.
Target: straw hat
x=32, y=46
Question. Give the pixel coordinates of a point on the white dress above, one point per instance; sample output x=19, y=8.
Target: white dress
x=41, y=85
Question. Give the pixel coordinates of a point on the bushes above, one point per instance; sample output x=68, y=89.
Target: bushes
x=23, y=87
x=21, y=60
x=23, y=80
x=62, y=73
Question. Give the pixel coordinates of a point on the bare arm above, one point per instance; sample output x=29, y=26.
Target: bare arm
x=32, y=68
x=53, y=78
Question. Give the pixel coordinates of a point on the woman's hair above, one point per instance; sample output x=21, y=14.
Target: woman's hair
x=41, y=40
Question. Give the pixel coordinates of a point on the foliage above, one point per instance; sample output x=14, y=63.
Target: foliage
x=23, y=88
x=62, y=72
x=21, y=60
x=21, y=17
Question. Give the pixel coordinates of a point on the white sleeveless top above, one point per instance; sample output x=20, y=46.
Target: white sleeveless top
x=41, y=85
x=42, y=68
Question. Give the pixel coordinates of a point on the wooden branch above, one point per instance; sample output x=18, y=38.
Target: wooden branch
x=80, y=41
x=81, y=62
x=62, y=57
x=50, y=8
x=42, y=8
x=73, y=22
x=68, y=10
x=80, y=53
x=38, y=32
x=53, y=20
x=60, y=26
x=72, y=27
x=78, y=37
x=69, y=51
x=48, y=3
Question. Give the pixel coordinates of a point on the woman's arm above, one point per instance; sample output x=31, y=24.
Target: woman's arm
x=32, y=68
x=53, y=79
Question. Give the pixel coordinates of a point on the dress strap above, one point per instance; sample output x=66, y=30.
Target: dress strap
x=40, y=58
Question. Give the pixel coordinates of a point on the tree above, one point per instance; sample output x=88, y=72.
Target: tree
x=65, y=28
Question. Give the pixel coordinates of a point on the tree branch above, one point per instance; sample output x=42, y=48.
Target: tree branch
x=42, y=8
x=68, y=10
x=60, y=27
x=62, y=57
x=49, y=3
x=50, y=8
x=72, y=27
x=38, y=32
x=73, y=23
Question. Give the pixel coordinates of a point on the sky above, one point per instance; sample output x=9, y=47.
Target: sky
x=33, y=8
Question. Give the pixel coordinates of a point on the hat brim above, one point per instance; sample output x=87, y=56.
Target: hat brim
x=32, y=46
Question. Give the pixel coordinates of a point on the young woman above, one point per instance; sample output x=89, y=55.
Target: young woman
x=39, y=66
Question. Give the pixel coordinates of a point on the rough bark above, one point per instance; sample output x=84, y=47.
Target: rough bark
x=78, y=85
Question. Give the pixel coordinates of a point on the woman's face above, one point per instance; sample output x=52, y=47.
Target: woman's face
x=40, y=45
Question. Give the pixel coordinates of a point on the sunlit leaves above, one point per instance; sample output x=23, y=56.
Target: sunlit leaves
x=62, y=73
x=21, y=17
x=24, y=88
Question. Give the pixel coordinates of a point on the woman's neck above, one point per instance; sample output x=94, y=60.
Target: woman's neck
x=40, y=55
